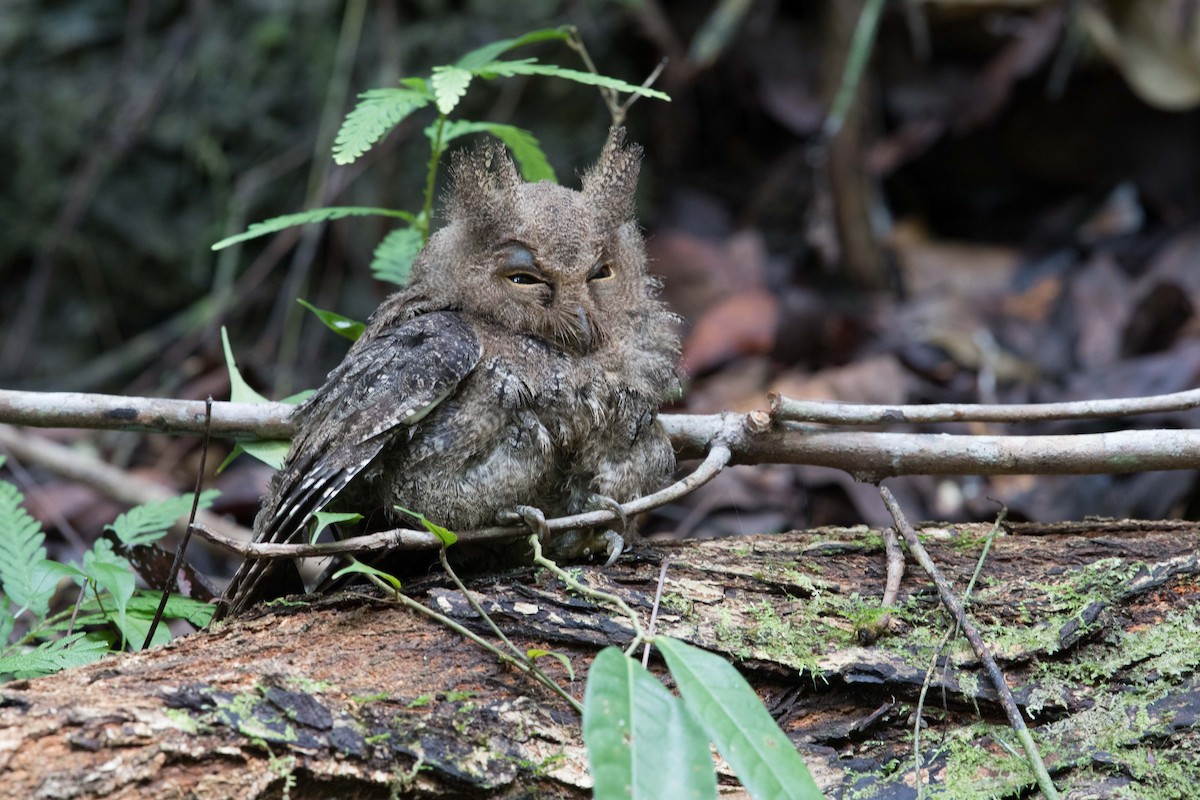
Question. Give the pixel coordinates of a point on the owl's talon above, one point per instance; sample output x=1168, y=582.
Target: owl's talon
x=600, y=502
x=614, y=546
x=531, y=516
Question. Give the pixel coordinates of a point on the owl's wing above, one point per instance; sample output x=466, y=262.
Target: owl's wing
x=387, y=383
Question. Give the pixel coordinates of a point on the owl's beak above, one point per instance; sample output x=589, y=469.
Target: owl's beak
x=585, y=330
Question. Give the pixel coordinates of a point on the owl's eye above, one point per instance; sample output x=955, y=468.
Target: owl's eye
x=600, y=272
x=524, y=278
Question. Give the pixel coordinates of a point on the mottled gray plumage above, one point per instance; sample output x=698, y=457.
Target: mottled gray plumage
x=524, y=365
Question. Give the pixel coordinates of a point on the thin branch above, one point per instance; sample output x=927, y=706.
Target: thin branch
x=406, y=539
x=169, y=584
x=952, y=604
x=869, y=456
x=787, y=408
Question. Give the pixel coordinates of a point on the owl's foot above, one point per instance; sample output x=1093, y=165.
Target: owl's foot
x=532, y=516
x=614, y=537
x=601, y=502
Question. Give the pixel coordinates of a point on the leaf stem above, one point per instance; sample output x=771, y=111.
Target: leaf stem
x=435, y=158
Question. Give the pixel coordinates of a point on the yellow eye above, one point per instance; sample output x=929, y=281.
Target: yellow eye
x=600, y=272
x=524, y=278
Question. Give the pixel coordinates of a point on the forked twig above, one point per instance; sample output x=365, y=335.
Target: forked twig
x=952, y=604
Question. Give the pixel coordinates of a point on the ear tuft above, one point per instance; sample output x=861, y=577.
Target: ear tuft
x=611, y=183
x=484, y=183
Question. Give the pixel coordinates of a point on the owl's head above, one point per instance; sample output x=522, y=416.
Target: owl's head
x=565, y=266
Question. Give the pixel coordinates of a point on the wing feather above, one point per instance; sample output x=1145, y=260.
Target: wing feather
x=384, y=385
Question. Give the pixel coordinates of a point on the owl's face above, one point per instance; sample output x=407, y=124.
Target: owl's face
x=564, y=266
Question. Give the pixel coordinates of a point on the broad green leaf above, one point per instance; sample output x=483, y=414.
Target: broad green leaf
x=269, y=451
x=113, y=573
x=50, y=657
x=488, y=53
x=149, y=522
x=326, y=518
x=342, y=326
x=239, y=390
x=506, y=69
x=642, y=743
x=731, y=713
x=449, y=86
x=308, y=217
x=21, y=553
x=524, y=145
x=393, y=258
x=377, y=112
x=367, y=569
x=444, y=535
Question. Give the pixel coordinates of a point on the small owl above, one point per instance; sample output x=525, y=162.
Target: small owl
x=523, y=366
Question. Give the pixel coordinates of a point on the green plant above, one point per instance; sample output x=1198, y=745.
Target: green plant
x=111, y=610
x=380, y=110
x=643, y=742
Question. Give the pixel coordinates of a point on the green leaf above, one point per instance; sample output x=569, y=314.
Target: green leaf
x=524, y=145
x=449, y=86
x=325, y=518
x=113, y=573
x=269, y=451
x=734, y=717
x=505, y=69
x=144, y=605
x=535, y=653
x=21, y=554
x=394, y=256
x=488, y=53
x=149, y=522
x=642, y=743
x=50, y=657
x=342, y=326
x=444, y=535
x=367, y=569
x=307, y=218
x=377, y=112
x=239, y=390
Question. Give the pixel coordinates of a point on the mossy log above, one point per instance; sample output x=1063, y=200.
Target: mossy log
x=1096, y=625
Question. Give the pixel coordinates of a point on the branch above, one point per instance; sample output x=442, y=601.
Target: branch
x=787, y=408
x=868, y=456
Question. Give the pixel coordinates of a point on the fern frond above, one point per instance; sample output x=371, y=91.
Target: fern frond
x=50, y=657
x=394, y=256
x=377, y=112
x=489, y=52
x=506, y=69
x=449, y=86
x=306, y=218
x=149, y=522
x=22, y=554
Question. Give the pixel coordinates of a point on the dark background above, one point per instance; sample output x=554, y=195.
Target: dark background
x=1008, y=214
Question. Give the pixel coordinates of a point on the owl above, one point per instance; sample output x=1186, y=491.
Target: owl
x=522, y=367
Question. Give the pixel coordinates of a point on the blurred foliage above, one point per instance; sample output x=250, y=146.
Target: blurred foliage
x=140, y=133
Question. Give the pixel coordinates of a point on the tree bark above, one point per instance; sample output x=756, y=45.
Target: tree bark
x=1095, y=625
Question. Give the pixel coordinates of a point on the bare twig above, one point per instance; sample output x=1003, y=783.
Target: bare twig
x=786, y=408
x=872, y=630
x=662, y=581
x=954, y=606
x=169, y=584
